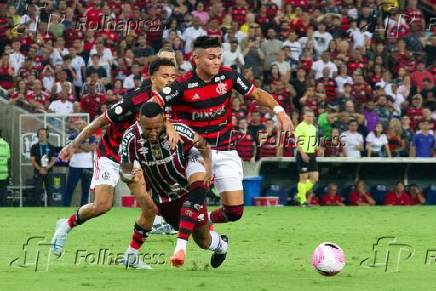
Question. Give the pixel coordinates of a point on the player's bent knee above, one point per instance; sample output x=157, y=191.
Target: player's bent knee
x=102, y=208
x=234, y=213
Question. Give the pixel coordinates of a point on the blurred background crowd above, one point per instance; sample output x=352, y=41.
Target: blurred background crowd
x=366, y=67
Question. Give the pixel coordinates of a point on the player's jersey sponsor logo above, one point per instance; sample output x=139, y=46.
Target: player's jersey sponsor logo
x=243, y=86
x=208, y=115
x=159, y=162
x=184, y=130
x=192, y=85
x=221, y=88
x=195, y=97
x=219, y=78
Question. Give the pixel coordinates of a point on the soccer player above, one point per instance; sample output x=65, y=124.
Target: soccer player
x=106, y=167
x=307, y=145
x=174, y=180
x=202, y=100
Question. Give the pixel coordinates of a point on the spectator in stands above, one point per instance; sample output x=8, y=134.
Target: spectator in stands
x=398, y=196
x=384, y=112
x=271, y=47
x=95, y=67
x=245, y=143
x=191, y=33
x=283, y=66
x=353, y=141
x=43, y=158
x=324, y=62
x=91, y=101
x=417, y=197
x=268, y=141
x=38, y=99
x=423, y=143
x=255, y=125
x=361, y=197
x=232, y=56
x=62, y=105
x=80, y=166
x=377, y=143
x=331, y=197
x=420, y=74
x=16, y=58
x=312, y=199
x=5, y=165
x=396, y=141
x=332, y=146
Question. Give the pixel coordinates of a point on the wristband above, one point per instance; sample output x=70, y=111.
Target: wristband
x=277, y=109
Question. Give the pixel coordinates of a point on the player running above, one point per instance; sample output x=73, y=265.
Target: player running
x=106, y=166
x=202, y=99
x=177, y=186
x=307, y=146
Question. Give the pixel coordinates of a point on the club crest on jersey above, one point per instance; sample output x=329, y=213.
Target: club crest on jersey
x=166, y=145
x=166, y=90
x=192, y=85
x=118, y=110
x=221, y=88
x=195, y=97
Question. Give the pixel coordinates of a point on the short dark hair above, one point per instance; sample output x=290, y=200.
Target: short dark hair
x=160, y=62
x=166, y=49
x=151, y=109
x=206, y=42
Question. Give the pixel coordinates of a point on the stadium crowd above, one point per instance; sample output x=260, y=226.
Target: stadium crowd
x=366, y=69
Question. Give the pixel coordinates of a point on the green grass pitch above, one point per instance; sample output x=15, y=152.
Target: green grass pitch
x=270, y=249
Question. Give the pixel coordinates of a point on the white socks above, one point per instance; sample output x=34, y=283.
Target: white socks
x=217, y=244
x=158, y=220
x=181, y=245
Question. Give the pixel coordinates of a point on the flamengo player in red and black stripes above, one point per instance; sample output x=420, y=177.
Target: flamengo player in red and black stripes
x=174, y=180
x=202, y=100
x=106, y=166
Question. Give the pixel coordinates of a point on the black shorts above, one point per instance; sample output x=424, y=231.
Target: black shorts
x=302, y=167
x=170, y=211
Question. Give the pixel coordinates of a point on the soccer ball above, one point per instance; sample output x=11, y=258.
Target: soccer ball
x=328, y=259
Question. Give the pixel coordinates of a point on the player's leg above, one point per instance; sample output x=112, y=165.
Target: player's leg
x=227, y=167
x=313, y=174
x=189, y=214
x=302, y=186
x=143, y=223
x=106, y=176
x=210, y=239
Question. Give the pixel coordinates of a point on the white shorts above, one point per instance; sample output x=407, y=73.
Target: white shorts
x=106, y=172
x=226, y=169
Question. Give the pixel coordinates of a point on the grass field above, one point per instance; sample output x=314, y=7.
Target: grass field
x=270, y=249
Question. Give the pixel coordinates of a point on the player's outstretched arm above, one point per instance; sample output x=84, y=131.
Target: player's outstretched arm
x=263, y=98
x=86, y=133
x=204, y=149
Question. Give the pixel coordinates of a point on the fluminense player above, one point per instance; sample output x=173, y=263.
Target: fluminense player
x=106, y=166
x=172, y=178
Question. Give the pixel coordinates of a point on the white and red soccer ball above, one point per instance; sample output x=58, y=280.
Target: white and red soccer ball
x=328, y=259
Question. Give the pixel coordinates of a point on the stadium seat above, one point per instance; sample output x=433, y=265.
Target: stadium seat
x=378, y=193
x=276, y=190
x=430, y=194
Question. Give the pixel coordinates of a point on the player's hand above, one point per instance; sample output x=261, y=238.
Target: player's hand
x=285, y=122
x=67, y=152
x=173, y=137
x=208, y=175
x=137, y=175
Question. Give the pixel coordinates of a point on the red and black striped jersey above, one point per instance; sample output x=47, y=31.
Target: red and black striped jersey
x=121, y=116
x=269, y=145
x=164, y=169
x=206, y=106
x=245, y=145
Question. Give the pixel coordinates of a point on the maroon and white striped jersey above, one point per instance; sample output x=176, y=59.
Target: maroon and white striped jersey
x=164, y=169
